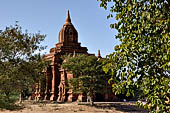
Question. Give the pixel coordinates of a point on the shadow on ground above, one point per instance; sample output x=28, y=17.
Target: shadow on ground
x=11, y=107
x=121, y=107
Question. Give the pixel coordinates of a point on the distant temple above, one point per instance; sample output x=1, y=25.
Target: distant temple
x=55, y=85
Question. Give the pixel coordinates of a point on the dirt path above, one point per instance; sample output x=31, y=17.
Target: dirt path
x=31, y=107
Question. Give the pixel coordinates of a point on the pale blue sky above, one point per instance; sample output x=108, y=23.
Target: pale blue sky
x=48, y=16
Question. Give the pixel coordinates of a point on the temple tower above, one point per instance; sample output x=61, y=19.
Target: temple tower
x=68, y=35
x=68, y=39
x=55, y=78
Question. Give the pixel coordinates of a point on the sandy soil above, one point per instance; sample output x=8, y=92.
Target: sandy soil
x=34, y=107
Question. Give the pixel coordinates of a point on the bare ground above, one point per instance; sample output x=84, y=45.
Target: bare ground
x=48, y=107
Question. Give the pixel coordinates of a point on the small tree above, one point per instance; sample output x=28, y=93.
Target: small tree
x=143, y=57
x=20, y=61
x=88, y=74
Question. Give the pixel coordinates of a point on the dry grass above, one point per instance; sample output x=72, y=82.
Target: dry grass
x=48, y=107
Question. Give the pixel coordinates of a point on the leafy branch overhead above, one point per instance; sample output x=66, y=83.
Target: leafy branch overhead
x=143, y=57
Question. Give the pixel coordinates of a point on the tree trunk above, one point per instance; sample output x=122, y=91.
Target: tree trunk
x=92, y=99
x=7, y=95
x=20, y=97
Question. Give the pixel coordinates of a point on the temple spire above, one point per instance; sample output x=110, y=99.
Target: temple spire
x=98, y=55
x=68, y=20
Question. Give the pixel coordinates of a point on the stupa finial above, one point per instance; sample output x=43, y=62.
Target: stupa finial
x=68, y=20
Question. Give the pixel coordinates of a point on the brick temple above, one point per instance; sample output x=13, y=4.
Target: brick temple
x=55, y=86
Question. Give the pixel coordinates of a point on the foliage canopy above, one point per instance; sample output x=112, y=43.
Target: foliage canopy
x=89, y=77
x=143, y=57
x=20, y=61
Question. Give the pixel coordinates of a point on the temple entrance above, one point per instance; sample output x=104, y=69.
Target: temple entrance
x=99, y=97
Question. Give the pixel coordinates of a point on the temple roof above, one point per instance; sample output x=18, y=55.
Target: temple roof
x=68, y=19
